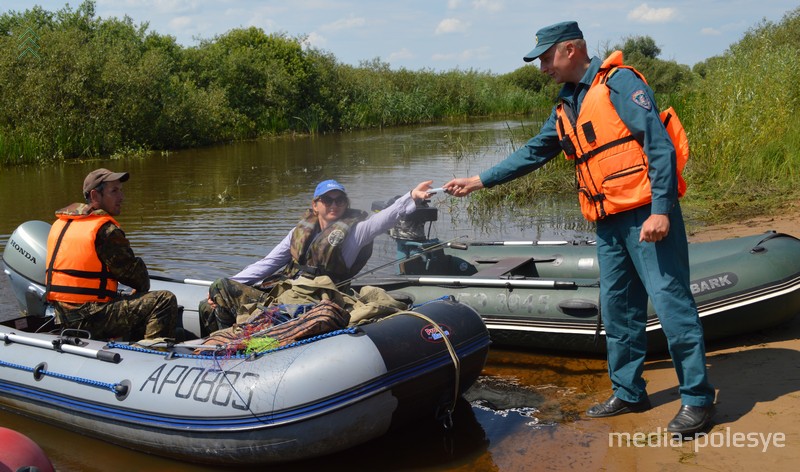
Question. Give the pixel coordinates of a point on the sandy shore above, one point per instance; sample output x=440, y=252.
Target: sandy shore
x=757, y=377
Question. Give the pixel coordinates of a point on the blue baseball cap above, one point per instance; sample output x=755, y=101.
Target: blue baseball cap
x=553, y=34
x=326, y=186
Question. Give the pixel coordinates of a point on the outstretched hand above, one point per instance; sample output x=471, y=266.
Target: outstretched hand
x=463, y=186
x=420, y=192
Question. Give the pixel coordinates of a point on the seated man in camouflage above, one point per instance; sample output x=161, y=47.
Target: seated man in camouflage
x=88, y=255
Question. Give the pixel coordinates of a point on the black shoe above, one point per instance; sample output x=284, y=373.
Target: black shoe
x=615, y=406
x=691, y=419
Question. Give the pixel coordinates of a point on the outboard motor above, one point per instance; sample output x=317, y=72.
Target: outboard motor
x=409, y=232
x=24, y=260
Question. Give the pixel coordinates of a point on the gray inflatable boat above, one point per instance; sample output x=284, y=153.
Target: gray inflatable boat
x=306, y=399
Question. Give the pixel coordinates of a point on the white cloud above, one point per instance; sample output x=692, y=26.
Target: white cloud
x=316, y=40
x=400, y=55
x=471, y=54
x=465, y=55
x=708, y=31
x=344, y=24
x=176, y=6
x=261, y=20
x=451, y=25
x=453, y=4
x=645, y=14
x=439, y=57
x=161, y=6
x=180, y=22
x=490, y=5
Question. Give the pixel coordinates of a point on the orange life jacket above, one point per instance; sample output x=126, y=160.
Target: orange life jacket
x=75, y=273
x=610, y=165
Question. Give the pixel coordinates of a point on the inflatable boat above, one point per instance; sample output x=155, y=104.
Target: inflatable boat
x=545, y=295
x=530, y=294
x=304, y=399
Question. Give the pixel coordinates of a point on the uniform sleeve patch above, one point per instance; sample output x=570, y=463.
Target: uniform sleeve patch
x=640, y=98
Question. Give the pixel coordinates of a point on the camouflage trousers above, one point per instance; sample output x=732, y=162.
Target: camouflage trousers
x=232, y=299
x=148, y=315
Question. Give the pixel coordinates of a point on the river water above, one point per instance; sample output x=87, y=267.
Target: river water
x=206, y=213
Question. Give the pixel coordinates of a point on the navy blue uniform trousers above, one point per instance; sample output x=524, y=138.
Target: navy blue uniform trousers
x=630, y=272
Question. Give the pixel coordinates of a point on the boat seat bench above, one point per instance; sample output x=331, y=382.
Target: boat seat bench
x=502, y=267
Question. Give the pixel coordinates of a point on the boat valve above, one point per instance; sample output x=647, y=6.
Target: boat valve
x=122, y=389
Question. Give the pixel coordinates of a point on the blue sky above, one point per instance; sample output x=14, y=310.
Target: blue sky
x=483, y=35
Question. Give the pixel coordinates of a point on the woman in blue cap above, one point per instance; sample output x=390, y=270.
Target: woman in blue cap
x=331, y=239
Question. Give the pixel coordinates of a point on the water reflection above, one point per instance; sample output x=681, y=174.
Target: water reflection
x=521, y=410
x=206, y=213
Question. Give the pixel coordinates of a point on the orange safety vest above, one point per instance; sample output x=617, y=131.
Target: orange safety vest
x=610, y=165
x=75, y=273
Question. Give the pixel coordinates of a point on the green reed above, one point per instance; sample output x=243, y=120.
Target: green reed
x=742, y=124
x=110, y=87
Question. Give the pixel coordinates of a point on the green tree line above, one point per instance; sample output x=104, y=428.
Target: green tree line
x=75, y=85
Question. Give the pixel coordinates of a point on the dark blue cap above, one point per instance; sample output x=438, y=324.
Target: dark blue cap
x=553, y=34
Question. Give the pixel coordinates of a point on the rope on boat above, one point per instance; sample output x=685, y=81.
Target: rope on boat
x=448, y=419
x=440, y=299
x=39, y=372
x=130, y=347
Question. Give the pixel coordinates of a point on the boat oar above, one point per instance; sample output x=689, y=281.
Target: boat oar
x=530, y=243
x=508, y=283
x=482, y=282
x=62, y=346
x=205, y=283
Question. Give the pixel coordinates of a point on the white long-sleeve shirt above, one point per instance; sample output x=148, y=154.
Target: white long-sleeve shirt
x=362, y=234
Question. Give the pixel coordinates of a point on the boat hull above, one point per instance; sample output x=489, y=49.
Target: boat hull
x=530, y=294
x=311, y=398
x=547, y=296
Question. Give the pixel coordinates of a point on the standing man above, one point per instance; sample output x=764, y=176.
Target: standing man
x=606, y=120
x=88, y=255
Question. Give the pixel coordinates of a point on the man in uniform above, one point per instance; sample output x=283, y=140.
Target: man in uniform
x=607, y=122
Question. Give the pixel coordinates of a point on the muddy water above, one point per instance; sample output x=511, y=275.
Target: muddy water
x=209, y=212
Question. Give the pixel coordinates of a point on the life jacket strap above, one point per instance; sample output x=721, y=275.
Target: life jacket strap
x=100, y=293
x=605, y=147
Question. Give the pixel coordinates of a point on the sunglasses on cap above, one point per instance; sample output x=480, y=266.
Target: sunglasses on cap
x=328, y=201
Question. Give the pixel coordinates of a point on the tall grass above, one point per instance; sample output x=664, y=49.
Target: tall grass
x=743, y=125
x=373, y=95
x=18, y=148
